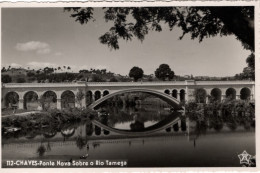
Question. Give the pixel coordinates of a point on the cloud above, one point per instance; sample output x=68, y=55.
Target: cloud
x=38, y=65
x=39, y=47
x=100, y=67
x=13, y=65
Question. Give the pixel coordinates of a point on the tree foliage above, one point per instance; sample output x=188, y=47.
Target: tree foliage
x=199, y=22
x=164, y=72
x=200, y=95
x=3, y=69
x=249, y=71
x=20, y=80
x=136, y=73
x=12, y=98
x=6, y=78
x=97, y=78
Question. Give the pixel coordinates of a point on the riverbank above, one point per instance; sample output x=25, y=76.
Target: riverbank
x=53, y=119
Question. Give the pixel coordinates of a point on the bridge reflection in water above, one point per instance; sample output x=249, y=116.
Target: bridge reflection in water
x=171, y=124
x=175, y=142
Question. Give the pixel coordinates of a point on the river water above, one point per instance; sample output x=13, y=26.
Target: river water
x=193, y=144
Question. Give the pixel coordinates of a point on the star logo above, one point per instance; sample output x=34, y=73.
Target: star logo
x=244, y=158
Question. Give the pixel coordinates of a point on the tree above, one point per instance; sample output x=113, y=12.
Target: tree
x=21, y=80
x=249, y=72
x=12, y=98
x=6, y=78
x=164, y=72
x=97, y=78
x=200, y=22
x=136, y=73
x=30, y=74
x=3, y=70
x=48, y=70
x=113, y=79
x=200, y=95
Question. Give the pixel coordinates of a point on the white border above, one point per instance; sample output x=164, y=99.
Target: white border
x=119, y=3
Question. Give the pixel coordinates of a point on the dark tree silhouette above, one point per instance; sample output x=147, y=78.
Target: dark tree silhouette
x=48, y=70
x=97, y=78
x=164, y=72
x=3, y=70
x=6, y=78
x=113, y=79
x=249, y=72
x=136, y=73
x=200, y=22
x=20, y=80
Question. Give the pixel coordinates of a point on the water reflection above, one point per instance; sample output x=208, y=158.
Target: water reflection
x=195, y=140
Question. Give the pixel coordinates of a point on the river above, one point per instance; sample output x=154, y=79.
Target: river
x=192, y=144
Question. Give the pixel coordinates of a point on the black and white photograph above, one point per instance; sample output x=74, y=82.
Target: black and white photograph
x=108, y=86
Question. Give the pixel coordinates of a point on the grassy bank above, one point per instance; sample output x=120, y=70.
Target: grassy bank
x=50, y=120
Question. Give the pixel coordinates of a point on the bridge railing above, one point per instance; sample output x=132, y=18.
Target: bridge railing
x=222, y=82
x=19, y=85
x=153, y=83
x=136, y=83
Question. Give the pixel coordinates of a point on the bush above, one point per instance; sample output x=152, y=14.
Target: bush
x=20, y=80
x=6, y=78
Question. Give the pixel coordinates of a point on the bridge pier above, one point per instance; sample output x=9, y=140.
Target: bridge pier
x=179, y=124
x=83, y=102
x=178, y=96
x=20, y=104
x=59, y=103
x=207, y=99
x=223, y=97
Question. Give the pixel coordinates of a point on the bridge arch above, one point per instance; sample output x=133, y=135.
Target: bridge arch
x=231, y=93
x=165, y=125
x=30, y=99
x=67, y=99
x=49, y=100
x=200, y=95
x=167, y=91
x=174, y=93
x=11, y=98
x=67, y=133
x=216, y=94
x=49, y=134
x=106, y=92
x=97, y=95
x=182, y=95
x=169, y=99
x=89, y=97
x=245, y=93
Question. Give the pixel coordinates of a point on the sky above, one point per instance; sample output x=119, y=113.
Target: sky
x=40, y=37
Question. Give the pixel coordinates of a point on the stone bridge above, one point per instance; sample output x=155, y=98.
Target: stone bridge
x=97, y=92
